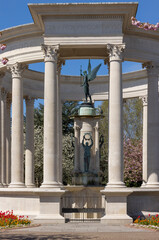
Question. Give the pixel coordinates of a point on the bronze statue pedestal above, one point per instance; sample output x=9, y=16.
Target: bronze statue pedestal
x=86, y=164
x=86, y=179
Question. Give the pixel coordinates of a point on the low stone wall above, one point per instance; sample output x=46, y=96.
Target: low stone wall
x=48, y=203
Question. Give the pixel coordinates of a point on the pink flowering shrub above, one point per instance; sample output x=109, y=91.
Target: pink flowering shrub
x=146, y=26
x=132, y=162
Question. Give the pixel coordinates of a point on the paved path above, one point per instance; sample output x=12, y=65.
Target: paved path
x=80, y=231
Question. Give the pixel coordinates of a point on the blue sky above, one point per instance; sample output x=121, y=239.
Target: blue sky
x=16, y=12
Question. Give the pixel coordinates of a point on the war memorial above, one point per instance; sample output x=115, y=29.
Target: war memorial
x=61, y=32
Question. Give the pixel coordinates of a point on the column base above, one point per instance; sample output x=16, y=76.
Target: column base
x=151, y=185
x=17, y=185
x=115, y=185
x=51, y=185
x=30, y=186
x=5, y=185
x=49, y=218
x=116, y=219
x=1, y=185
x=143, y=184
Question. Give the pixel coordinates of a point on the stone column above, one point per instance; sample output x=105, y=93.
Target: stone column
x=50, y=117
x=60, y=144
x=59, y=122
x=97, y=168
x=1, y=77
x=17, y=169
x=8, y=140
x=144, y=141
x=115, y=161
x=153, y=126
x=3, y=135
x=29, y=154
x=77, y=147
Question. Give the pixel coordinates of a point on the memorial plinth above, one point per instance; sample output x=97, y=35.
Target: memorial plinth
x=86, y=167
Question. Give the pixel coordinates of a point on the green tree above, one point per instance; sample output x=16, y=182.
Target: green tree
x=70, y=108
x=67, y=158
x=132, y=118
x=103, y=131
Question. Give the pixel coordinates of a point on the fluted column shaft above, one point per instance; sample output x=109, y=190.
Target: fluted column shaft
x=153, y=126
x=3, y=135
x=144, y=141
x=29, y=154
x=97, y=147
x=59, y=122
x=1, y=168
x=77, y=148
x=50, y=117
x=8, y=140
x=115, y=161
x=17, y=176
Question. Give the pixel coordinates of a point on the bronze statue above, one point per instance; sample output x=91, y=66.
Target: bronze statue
x=87, y=77
x=87, y=151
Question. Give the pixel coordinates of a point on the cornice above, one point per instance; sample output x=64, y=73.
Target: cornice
x=139, y=32
x=83, y=10
x=21, y=31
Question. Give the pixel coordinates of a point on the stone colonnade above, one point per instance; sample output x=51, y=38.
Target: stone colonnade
x=11, y=135
x=11, y=165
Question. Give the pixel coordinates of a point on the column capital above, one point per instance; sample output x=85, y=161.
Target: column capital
x=115, y=51
x=60, y=63
x=3, y=93
x=29, y=101
x=144, y=100
x=17, y=69
x=2, y=74
x=51, y=52
x=151, y=67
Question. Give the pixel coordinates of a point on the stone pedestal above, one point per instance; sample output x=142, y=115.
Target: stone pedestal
x=50, y=207
x=116, y=207
x=86, y=123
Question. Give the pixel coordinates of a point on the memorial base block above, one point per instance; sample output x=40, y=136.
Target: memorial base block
x=86, y=179
x=116, y=207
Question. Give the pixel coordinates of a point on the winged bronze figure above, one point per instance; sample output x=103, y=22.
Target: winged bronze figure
x=87, y=77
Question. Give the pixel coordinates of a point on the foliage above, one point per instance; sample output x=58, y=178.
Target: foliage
x=8, y=219
x=68, y=158
x=38, y=154
x=39, y=116
x=70, y=108
x=132, y=118
x=151, y=220
x=133, y=163
x=103, y=130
